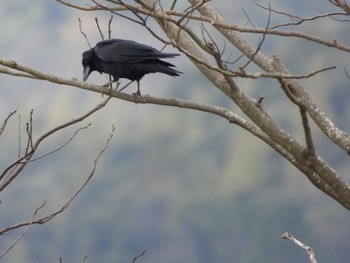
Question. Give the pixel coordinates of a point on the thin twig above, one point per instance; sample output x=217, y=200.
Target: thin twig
x=248, y=19
x=3, y=126
x=60, y=147
x=24, y=232
x=308, y=249
x=19, y=137
x=299, y=20
x=83, y=33
x=86, y=257
x=173, y=5
x=109, y=27
x=99, y=28
x=260, y=42
x=347, y=73
x=29, y=130
x=141, y=21
x=311, y=153
x=136, y=257
x=342, y=4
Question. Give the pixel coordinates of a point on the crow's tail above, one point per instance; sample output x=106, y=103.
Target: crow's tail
x=168, y=68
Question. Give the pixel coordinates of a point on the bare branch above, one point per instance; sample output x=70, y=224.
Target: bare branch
x=342, y=4
x=23, y=233
x=346, y=73
x=217, y=23
x=308, y=249
x=29, y=130
x=83, y=33
x=308, y=138
x=136, y=257
x=299, y=20
x=110, y=27
x=342, y=139
x=276, y=75
x=19, y=137
x=21, y=162
x=135, y=11
x=262, y=40
x=60, y=147
x=173, y=5
x=67, y=203
x=87, y=7
x=3, y=126
x=16, y=73
x=190, y=10
x=99, y=28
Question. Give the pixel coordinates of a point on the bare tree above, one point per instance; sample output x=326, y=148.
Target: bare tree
x=202, y=49
x=178, y=25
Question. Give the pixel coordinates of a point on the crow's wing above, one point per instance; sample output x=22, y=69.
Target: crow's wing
x=127, y=51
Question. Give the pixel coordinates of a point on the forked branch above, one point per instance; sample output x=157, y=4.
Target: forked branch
x=13, y=170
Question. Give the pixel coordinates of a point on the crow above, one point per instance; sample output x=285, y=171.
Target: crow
x=126, y=59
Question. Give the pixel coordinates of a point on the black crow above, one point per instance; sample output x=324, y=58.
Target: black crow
x=126, y=59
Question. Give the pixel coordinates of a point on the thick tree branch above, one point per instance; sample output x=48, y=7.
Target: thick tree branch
x=342, y=139
x=328, y=181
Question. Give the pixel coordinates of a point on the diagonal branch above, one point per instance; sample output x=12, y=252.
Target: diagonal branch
x=29, y=224
x=307, y=132
x=4, y=123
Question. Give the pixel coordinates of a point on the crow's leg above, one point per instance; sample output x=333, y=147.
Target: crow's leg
x=138, y=88
x=138, y=93
x=108, y=84
x=125, y=86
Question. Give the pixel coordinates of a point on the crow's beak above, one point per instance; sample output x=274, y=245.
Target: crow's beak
x=86, y=72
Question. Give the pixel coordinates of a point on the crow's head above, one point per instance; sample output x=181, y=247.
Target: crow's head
x=88, y=63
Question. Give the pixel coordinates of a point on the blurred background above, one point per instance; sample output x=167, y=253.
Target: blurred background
x=185, y=186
